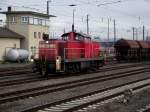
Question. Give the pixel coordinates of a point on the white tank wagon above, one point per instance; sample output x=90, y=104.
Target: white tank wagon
x=17, y=55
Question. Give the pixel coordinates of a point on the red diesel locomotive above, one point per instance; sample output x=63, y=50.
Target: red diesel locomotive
x=74, y=52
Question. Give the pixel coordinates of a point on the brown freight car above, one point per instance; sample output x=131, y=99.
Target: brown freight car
x=144, y=50
x=132, y=50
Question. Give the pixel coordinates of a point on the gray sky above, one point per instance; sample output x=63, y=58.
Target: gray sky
x=127, y=13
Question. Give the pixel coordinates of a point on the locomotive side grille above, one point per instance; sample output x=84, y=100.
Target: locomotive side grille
x=48, y=50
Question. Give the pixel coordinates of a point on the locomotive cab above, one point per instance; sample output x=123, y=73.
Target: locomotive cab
x=51, y=54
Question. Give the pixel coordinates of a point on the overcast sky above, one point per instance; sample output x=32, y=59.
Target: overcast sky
x=127, y=13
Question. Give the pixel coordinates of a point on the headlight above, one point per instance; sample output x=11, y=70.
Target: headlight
x=32, y=60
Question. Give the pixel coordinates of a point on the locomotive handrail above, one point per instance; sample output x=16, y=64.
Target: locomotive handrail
x=69, y=53
x=81, y=54
x=46, y=52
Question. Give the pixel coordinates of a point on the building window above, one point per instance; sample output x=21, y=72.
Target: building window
x=40, y=21
x=25, y=19
x=35, y=21
x=39, y=35
x=43, y=22
x=33, y=50
x=35, y=35
x=31, y=47
x=47, y=22
x=13, y=19
x=43, y=35
x=31, y=20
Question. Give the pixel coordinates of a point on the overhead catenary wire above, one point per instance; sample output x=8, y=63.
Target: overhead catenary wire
x=108, y=3
x=79, y=2
x=123, y=13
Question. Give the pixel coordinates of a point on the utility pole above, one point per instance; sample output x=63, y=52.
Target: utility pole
x=48, y=6
x=72, y=5
x=73, y=20
x=64, y=30
x=147, y=36
x=136, y=34
x=114, y=31
x=143, y=32
x=108, y=30
x=133, y=32
x=87, y=20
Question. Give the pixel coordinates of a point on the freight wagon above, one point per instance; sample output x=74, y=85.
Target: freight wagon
x=132, y=50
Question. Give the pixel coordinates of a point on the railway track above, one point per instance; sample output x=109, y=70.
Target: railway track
x=92, y=100
x=36, y=77
x=81, y=102
x=32, y=92
x=144, y=109
x=15, y=72
x=18, y=71
x=21, y=71
x=22, y=79
x=14, y=68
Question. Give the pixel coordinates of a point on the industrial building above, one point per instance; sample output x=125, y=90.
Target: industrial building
x=28, y=26
x=8, y=39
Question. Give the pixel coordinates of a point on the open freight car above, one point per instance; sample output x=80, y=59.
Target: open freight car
x=74, y=52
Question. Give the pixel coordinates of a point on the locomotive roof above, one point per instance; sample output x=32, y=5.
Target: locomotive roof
x=127, y=43
x=79, y=34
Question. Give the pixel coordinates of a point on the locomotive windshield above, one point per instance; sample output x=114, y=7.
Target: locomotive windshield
x=74, y=36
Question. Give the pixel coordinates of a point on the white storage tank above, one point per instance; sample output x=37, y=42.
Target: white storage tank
x=17, y=54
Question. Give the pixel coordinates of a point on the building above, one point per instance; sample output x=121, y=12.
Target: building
x=8, y=39
x=31, y=25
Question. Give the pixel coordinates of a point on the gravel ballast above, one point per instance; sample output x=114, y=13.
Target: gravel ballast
x=138, y=101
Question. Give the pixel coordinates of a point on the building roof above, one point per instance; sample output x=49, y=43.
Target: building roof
x=27, y=12
x=6, y=33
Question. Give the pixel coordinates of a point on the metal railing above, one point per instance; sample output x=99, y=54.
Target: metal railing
x=68, y=53
x=76, y=53
x=45, y=52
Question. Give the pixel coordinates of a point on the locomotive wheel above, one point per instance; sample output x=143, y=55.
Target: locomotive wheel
x=43, y=71
x=77, y=68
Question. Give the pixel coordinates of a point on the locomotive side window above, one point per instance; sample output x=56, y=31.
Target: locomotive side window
x=86, y=39
x=46, y=45
x=51, y=46
x=78, y=37
x=42, y=45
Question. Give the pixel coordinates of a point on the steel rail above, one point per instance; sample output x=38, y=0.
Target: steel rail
x=12, y=96
x=62, y=106
x=39, y=78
